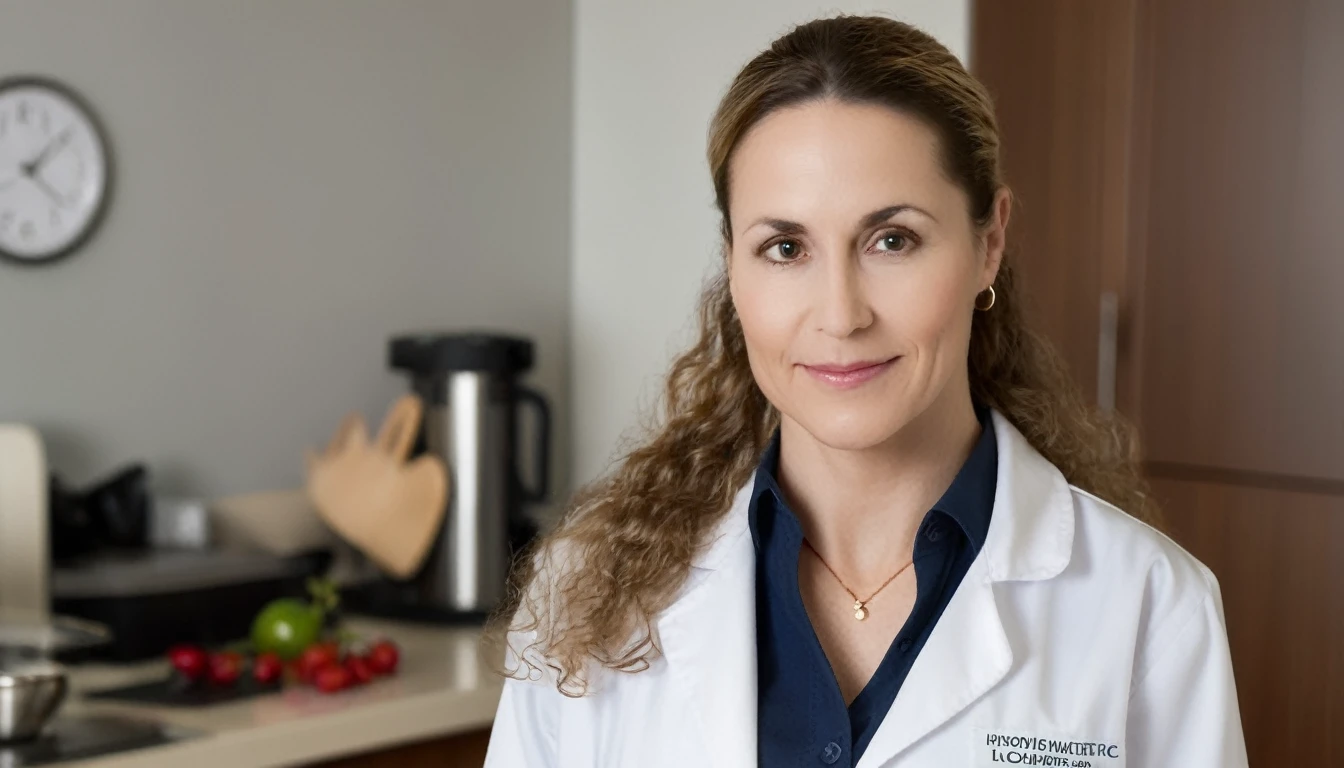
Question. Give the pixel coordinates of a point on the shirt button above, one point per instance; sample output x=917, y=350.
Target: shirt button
x=905, y=644
x=831, y=753
x=935, y=533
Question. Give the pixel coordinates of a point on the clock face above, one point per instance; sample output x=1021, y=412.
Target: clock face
x=53, y=170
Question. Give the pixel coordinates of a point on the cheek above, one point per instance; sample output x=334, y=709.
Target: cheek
x=929, y=312
x=762, y=321
x=770, y=320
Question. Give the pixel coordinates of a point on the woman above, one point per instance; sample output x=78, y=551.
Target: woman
x=876, y=526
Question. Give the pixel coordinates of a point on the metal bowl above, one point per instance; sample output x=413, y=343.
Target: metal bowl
x=30, y=694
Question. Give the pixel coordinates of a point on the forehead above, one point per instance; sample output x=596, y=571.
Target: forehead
x=828, y=158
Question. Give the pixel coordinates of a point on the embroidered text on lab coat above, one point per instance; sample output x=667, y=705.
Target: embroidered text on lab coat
x=998, y=748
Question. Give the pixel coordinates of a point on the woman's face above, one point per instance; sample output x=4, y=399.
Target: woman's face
x=851, y=247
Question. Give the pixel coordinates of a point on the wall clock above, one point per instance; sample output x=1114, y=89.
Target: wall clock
x=54, y=170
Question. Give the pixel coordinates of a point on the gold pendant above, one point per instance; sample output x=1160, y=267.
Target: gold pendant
x=860, y=612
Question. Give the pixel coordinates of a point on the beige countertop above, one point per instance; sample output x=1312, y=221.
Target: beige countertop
x=444, y=685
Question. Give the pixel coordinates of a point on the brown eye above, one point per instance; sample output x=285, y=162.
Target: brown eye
x=893, y=241
x=787, y=250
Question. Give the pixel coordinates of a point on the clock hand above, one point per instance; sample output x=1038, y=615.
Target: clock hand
x=31, y=167
x=45, y=187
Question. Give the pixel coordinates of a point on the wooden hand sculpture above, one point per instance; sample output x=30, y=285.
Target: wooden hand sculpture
x=368, y=493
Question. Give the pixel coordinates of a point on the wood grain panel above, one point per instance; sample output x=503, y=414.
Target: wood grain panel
x=1060, y=73
x=1243, y=327
x=1277, y=556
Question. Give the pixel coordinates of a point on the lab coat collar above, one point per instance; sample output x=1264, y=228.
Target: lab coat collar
x=1031, y=531
x=708, y=637
x=708, y=634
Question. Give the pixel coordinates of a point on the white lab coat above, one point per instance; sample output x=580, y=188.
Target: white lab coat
x=1079, y=637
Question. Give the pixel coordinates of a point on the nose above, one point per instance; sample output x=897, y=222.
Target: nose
x=843, y=306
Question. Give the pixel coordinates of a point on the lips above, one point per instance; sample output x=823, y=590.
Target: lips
x=848, y=367
x=850, y=375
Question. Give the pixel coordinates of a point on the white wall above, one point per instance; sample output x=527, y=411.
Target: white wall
x=647, y=79
x=296, y=180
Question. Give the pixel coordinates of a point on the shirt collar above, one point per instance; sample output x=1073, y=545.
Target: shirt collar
x=969, y=500
x=1030, y=535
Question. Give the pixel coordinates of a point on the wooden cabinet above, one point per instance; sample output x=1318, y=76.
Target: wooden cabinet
x=1185, y=157
x=1242, y=297
x=465, y=750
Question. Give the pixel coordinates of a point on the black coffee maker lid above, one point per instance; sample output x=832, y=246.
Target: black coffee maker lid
x=432, y=354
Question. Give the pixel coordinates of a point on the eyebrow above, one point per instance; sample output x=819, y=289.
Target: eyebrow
x=786, y=227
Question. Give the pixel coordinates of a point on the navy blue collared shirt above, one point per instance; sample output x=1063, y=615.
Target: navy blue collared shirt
x=802, y=717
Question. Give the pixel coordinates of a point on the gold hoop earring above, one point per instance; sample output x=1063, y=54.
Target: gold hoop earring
x=992, y=298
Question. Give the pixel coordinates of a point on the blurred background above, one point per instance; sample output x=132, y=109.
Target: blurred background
x=248, y=221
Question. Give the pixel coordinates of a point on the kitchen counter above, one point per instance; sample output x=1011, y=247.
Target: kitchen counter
x=444, y=685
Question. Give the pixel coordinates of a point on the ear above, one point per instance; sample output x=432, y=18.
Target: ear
x=995, y=236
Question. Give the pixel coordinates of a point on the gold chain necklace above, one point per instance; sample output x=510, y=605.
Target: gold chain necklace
x=860, y=606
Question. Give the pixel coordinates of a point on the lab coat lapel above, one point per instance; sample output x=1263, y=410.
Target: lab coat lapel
x=708, y=637
x=967, y=654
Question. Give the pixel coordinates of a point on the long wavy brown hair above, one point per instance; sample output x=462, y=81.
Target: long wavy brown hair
x=589, y=592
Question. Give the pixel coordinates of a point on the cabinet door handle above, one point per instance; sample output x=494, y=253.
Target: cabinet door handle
x=1106, y=343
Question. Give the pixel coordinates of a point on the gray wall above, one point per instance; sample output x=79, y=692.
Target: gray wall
x=296, y=180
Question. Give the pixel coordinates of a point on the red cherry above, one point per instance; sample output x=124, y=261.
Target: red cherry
x=383, y=657
x=267, y=668
x=189, y=660
x=225, y=668
x=360, y=670
x=332, y=678
x=315, y=657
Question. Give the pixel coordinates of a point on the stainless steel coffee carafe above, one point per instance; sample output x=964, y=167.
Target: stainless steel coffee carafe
x=472, y=395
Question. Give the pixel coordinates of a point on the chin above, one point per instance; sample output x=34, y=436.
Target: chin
x=853, y=429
